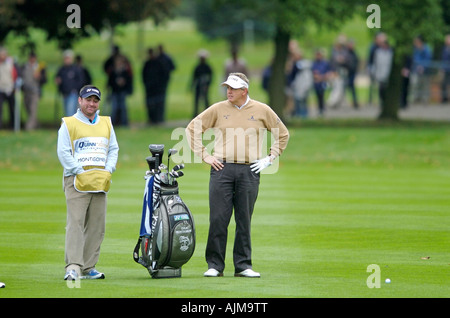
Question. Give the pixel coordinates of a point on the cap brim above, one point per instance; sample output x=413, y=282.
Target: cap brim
x=90, y=94
x=232, y=85
x=235, y=82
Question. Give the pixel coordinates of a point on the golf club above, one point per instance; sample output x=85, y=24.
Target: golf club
x=157, y=151
x=151, y=162
x=176, y=174
x=171, y=152
x=178, y=167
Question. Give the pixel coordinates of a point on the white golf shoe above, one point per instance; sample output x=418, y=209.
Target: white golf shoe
x=248, y=273
x=212, y=272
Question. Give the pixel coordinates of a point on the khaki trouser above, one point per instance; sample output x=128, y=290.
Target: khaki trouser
x=85, y=229
x=31, y=100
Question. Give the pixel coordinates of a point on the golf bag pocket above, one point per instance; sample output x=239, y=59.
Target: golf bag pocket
x=93, y=180
x=175, y=237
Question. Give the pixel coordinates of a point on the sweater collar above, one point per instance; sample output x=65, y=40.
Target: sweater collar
x=246, y=102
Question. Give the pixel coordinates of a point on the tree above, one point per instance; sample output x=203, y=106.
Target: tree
x=227, y=19
x=289, y=18
x=402, y=21
x=51, y=15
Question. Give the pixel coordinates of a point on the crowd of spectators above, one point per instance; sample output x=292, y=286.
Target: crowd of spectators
x=328, y=78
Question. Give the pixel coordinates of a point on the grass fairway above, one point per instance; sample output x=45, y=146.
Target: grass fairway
x=344, y=197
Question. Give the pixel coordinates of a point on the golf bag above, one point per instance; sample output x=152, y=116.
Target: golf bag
x=167, y=234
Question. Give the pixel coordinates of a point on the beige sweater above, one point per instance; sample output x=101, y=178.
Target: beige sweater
x=239, y=134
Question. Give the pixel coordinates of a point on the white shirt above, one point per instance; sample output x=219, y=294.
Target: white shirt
x=6, y=76
x=246, y=102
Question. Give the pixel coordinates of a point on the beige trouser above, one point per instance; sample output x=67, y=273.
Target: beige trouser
x=31, y=100
x=85, y=229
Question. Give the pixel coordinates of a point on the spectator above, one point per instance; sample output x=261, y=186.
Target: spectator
x=420, y=70
x=267, y=73
x=300, y=82
x=168, y=68
x=108, y=68
x=339, y=62
x=235, y=64
x=379, y=38
x=8, y=76
x=352, y=67
x=321, y=71
x=154, y=89
x=405, y=75
x=87, y=78
x=382, y=63
x=33, y=76
x=293, y=54
x=446, y=69
x=69, y=79
x=201, y=79
x=120, y=82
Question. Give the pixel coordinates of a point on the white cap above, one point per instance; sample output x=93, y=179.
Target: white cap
x=235, y=82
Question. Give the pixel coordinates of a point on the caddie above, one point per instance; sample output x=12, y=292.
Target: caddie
x=88, y=151
x=236, y=163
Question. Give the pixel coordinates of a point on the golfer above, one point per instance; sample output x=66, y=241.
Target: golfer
x=88, y=151
x=236, y=163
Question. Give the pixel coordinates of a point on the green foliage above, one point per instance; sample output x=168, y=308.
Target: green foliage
x=403, y=20
x=229, y=20
x=21, y=15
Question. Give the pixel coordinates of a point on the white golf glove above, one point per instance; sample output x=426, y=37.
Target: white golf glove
x=258, y=165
